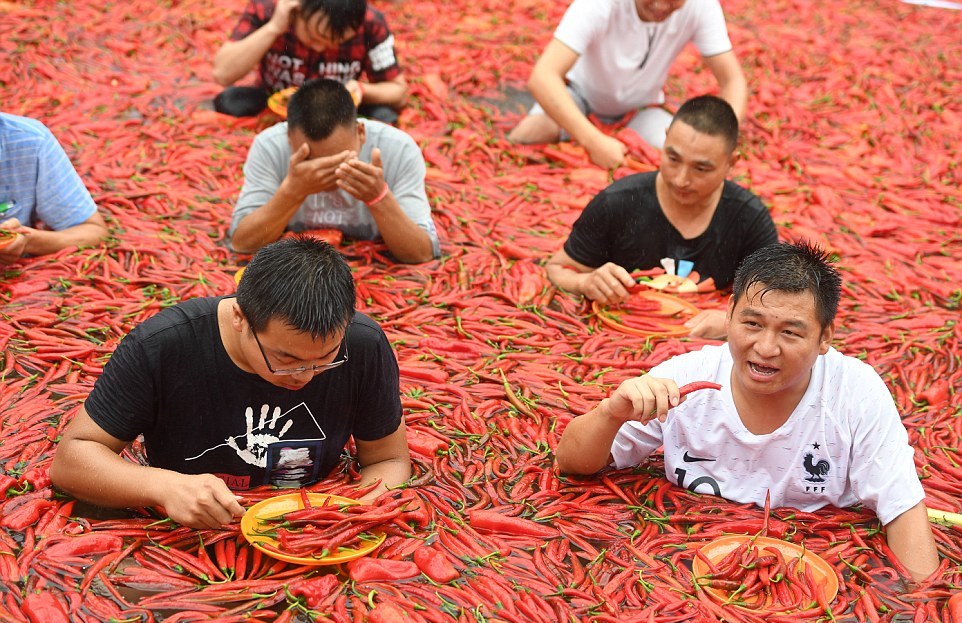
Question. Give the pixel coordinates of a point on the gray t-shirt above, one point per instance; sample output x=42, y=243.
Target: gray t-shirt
x=404, y=170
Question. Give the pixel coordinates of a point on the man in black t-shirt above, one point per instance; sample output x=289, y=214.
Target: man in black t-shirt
x=229, y=393
x=685, y=211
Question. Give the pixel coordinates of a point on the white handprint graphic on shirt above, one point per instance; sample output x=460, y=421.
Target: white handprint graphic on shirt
x=259, y=437
x=266, y=429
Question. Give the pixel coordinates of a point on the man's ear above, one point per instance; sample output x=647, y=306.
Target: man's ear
x=237, y=318
x=361, y=134
x=734, y=158
x=825, y=341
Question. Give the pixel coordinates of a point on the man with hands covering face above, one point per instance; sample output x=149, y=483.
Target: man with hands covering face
x=326, y=169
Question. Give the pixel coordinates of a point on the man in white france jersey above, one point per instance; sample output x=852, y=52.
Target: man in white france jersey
x=794, y=417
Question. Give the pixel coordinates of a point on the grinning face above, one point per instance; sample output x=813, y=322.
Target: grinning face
x=775, y=339
x=693, y=165
x=656, y=10
x=315, y=34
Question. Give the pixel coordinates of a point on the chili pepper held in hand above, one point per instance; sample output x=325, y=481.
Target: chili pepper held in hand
x=688, y=388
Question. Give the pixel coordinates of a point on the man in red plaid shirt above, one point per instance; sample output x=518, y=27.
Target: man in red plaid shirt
x=292, y=41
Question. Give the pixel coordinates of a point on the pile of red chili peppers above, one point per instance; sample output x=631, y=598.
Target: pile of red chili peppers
x=853, y=141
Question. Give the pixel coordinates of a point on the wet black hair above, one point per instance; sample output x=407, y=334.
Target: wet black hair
x=301, y=281
x=342, y=15
x=792, y=267
x=319, y=107
x=710, y=115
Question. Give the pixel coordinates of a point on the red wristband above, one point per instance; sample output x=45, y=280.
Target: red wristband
x=379, y=197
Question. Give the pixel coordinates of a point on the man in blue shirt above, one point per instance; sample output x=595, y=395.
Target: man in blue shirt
x=38, y=184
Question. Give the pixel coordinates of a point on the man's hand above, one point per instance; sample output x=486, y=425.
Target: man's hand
x=200, y=501
x=15, y=250
x=642, y=399
x=362, y=180
x=606, y=151
x=283, y=16
x=317, y=175
x=710, y=324
x=608, y=284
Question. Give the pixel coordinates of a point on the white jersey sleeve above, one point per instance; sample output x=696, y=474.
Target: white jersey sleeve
x=882, y=471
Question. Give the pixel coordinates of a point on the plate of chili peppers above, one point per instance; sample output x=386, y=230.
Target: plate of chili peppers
x=315, y=528
x=648, y=313
x=762, y=574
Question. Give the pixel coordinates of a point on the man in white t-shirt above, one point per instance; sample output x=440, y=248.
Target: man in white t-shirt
x=610, y=57
x=794, y=417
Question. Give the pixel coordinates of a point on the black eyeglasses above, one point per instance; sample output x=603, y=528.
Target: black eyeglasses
x=314, y=369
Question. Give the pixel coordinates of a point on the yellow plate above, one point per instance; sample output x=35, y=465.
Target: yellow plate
x=238, y=275
x=272, y=507
x=716, y=550
x=278, y=101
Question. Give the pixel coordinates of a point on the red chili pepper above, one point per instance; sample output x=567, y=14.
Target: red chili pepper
x=388, y=612
x=84, y=545
x=26, y=514
x=44, y=608
x=493, y=521
x=435, y=565
x=688, y=388
x=936, y=394
x=377, y=570
x=6, y=482
x=315, y=590
x=953, y=608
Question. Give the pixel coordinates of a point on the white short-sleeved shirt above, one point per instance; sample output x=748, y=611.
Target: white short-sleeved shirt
x=624, y=62
x=404, y=171
x=844, y=444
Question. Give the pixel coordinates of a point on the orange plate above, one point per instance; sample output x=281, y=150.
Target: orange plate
x=238, y=275
x=671, y=305
x=716, y=550
x=278, y=101
x=272, y=507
